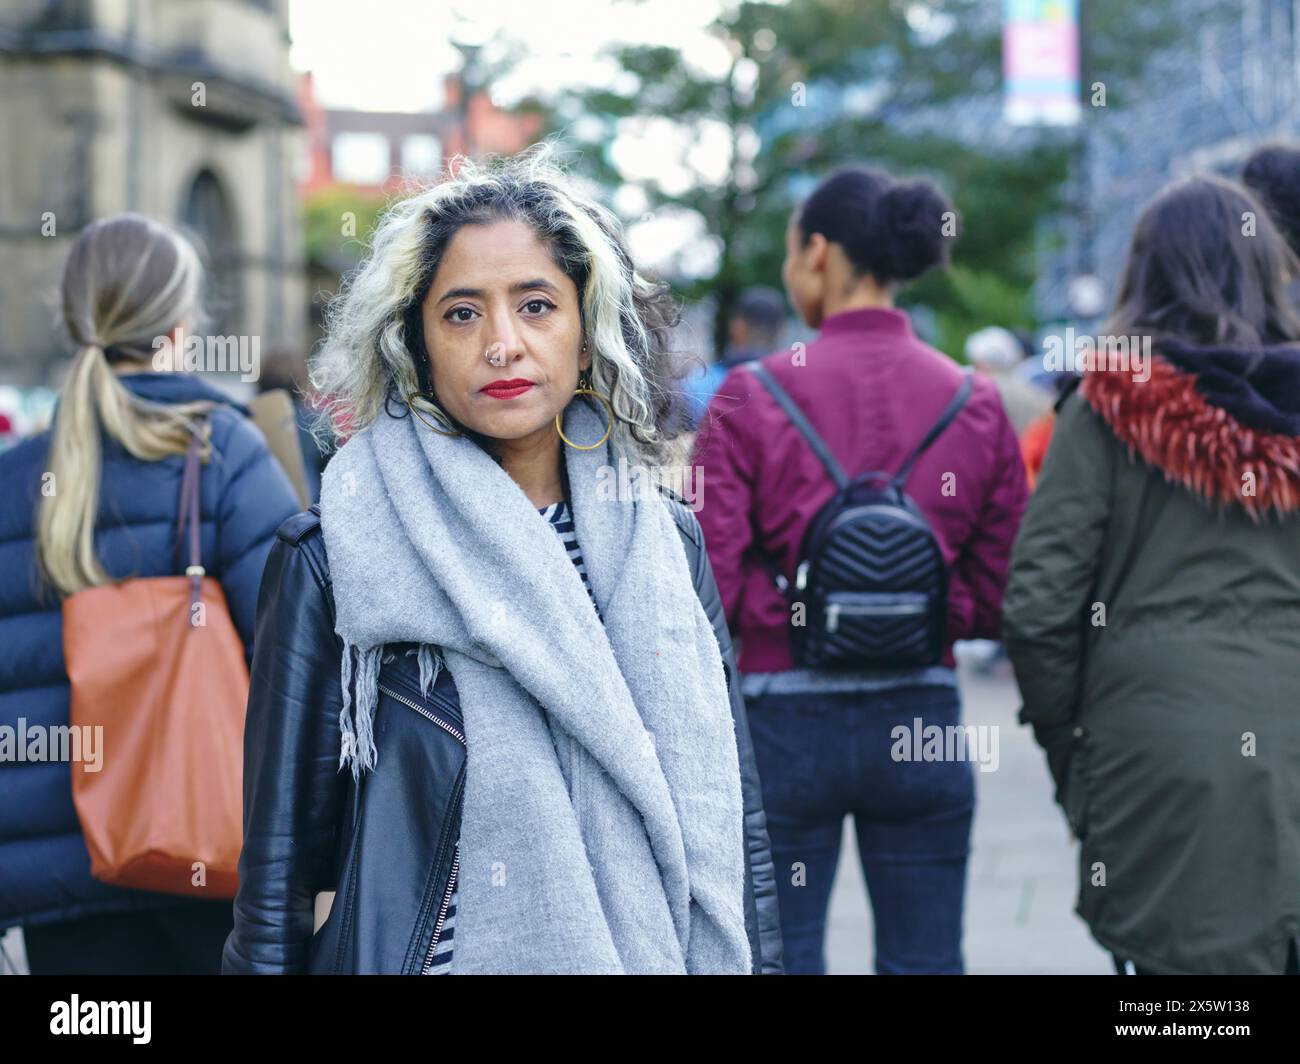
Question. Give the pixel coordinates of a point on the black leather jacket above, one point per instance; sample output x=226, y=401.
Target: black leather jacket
x=386, y=845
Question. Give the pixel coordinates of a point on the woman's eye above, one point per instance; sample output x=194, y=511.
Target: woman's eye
x=542, y=304
x=451, y=314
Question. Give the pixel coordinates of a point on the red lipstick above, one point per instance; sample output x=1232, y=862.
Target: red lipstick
x=516, y=386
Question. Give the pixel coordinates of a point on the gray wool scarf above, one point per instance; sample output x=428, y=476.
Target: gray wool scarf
x=602, y=828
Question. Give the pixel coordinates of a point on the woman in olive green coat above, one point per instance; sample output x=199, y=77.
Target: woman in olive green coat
x=1153, y=609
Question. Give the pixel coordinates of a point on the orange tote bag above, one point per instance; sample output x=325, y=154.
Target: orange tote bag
x=156, y=663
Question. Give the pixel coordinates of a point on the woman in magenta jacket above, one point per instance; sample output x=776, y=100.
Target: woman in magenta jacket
x=823, y=740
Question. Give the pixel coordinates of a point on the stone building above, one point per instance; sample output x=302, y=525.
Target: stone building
x=183, y=110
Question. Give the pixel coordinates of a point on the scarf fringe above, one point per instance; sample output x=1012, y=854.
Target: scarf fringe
x=360, y=682
x=360, y=686
x=430, y=665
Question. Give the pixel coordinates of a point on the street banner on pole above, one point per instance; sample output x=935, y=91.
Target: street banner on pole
x=1040, y=62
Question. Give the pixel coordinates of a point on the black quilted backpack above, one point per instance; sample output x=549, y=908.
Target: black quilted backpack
x=871, y=576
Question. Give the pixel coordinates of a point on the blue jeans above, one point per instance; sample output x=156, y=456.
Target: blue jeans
x=824, y=755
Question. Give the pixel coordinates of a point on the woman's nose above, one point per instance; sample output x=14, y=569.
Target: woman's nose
x=506, y=338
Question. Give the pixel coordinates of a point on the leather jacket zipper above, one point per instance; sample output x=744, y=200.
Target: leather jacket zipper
x=447, y=893
x=423, y=712
x=442, y=911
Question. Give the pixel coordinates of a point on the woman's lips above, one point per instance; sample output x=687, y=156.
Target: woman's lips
x=507, y=389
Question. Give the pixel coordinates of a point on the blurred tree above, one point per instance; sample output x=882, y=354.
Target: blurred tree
x=912, y=85
x=337, y=224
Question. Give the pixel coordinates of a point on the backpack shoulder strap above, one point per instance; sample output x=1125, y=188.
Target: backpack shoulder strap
x=1067, y=390
x=800, y=422
x=936, y=430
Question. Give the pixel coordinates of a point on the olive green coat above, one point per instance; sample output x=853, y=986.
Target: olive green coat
x=1155, y=636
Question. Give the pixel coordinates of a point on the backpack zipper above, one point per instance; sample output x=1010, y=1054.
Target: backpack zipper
x=902, y=609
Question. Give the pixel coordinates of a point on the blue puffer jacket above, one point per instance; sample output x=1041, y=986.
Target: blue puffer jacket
x=44, y=866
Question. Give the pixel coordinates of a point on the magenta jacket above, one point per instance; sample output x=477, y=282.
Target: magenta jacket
x=872, y=389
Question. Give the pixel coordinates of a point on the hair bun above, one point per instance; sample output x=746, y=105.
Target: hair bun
x=892, y=230
x=917, y=219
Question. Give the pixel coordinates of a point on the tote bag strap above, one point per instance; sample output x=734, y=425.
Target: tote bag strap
x=188, y=526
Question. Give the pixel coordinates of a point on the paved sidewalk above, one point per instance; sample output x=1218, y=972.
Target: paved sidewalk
x=1021, y=882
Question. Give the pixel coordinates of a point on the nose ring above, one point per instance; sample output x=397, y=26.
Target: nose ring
x=496, y=354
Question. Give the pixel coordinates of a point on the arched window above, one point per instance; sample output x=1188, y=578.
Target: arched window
x=206, y=212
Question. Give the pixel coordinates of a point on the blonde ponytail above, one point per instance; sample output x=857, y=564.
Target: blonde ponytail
x=147, y=276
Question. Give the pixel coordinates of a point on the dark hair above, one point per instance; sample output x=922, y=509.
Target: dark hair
x=761, y=307
x=893, y=230
x=1273, y=173
x=1193, y=273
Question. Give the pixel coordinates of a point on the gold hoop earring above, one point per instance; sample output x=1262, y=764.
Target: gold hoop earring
x=438, y=413
x=585, y=388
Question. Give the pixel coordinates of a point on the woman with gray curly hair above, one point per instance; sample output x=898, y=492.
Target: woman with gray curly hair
x=517, y=649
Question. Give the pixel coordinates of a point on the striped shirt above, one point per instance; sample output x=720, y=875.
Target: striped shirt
x=561, y=519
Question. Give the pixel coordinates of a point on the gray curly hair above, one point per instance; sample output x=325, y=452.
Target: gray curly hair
x=374, y=350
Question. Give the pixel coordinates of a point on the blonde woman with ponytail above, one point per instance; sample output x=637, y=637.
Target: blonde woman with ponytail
x=90, y=502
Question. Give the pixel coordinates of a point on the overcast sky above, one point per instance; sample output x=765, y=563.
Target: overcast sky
x=391, y=55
